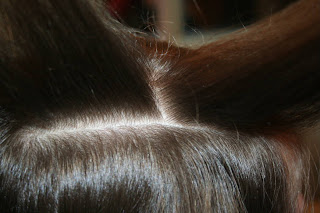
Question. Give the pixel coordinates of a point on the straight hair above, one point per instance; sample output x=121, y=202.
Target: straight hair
x=95, y=117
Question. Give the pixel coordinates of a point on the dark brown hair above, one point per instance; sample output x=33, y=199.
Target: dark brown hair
x=94, y=118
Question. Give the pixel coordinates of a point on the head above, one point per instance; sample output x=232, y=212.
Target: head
x=93, y=119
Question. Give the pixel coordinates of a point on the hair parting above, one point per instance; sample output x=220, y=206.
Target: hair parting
x=97, y=117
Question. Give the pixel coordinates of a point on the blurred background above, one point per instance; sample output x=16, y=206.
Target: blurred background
x=189, y=21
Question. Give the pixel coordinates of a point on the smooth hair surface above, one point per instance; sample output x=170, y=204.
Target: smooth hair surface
x=95, y=117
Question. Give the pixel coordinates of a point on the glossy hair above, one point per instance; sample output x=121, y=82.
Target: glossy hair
x=94, y=118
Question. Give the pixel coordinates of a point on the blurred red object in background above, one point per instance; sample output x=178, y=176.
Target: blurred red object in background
x=118, y=8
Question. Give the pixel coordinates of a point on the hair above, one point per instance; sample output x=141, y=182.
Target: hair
x=97, y=118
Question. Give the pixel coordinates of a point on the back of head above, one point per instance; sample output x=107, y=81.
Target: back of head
x=91, y=119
